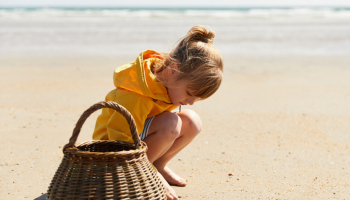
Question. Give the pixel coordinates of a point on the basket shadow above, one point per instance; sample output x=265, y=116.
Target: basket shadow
x=42, y=197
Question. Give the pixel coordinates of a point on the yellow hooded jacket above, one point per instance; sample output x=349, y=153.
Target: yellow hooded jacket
x=139, y=92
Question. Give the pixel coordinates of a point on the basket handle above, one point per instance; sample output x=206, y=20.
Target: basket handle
x=97, y=106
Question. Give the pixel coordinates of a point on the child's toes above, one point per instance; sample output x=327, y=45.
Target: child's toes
x=178, y=182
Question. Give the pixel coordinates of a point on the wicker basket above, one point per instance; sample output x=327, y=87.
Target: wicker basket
x=105, y=169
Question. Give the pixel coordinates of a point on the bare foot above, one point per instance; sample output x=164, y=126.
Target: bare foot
x=171, y=177
x=170, y=192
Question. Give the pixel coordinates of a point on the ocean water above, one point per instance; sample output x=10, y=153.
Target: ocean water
x=171, y=13
x=128, y=31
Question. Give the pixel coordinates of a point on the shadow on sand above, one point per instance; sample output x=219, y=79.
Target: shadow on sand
x=42, y=197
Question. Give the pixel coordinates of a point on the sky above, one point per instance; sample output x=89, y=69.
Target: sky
x=173, y=3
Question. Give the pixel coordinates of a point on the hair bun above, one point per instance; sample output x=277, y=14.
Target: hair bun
x=200, y=34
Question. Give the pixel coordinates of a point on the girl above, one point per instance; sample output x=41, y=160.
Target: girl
x=152, y=87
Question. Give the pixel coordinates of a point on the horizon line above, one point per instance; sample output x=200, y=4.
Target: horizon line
x=177, y=7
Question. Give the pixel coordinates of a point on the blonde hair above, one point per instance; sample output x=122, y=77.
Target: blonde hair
x=199, y=62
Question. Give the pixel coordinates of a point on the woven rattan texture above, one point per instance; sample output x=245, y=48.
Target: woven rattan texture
x=105, y=169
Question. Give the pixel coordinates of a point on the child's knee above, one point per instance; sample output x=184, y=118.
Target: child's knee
x=191, y=122
x=171, y=124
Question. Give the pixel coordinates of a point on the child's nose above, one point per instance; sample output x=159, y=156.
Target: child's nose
x=191, y=101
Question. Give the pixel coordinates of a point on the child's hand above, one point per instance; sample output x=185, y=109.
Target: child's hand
x=170, y=192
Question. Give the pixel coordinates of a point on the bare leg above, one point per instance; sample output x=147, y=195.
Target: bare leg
x=191, y=126
x=169, y=133
x=162, y=133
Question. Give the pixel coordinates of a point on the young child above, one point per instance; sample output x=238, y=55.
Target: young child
x=152, y=87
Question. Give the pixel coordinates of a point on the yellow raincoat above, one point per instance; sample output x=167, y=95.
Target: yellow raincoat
x=138, y=91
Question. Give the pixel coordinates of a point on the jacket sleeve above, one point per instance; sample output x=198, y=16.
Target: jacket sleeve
x=112, y=125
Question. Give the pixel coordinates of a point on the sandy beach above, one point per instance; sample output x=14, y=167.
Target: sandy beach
x=268, y=133
x=278, y=128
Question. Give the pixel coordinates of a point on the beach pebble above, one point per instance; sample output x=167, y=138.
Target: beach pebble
x=230, y=174
x=248, y=174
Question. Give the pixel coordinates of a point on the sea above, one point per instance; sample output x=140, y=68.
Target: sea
x=127, y=31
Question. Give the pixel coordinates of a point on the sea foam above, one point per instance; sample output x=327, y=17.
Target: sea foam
x=175, y=13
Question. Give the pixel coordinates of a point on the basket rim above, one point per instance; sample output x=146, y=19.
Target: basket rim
x=75, y=151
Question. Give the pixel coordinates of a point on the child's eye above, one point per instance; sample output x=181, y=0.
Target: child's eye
x=189, y=94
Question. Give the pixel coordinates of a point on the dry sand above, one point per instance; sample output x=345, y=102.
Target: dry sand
x=278, y=128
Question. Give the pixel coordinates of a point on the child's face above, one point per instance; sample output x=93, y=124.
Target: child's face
x=179, y=94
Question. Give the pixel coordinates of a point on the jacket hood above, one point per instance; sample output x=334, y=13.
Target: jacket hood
x=138, y=78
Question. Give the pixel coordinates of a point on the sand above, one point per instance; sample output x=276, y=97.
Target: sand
x=278, y=128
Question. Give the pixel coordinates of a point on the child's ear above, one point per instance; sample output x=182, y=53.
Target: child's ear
x=173, y=68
